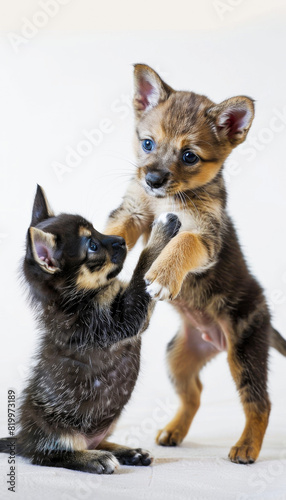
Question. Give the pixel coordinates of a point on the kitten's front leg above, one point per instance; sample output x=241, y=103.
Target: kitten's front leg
x=126, y=455
x=133, y=307
x=185, y=253
x=164, y=229
x=93, y=461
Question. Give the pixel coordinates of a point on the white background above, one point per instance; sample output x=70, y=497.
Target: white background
x=73, y=75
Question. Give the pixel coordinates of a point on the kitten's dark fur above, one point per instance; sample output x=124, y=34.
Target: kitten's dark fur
x=89, y=356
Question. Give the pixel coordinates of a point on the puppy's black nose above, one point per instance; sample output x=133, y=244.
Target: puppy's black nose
x=156, y=180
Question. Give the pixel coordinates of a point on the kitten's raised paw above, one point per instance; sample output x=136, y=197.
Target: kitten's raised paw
x=168, y=222
x=135, y=456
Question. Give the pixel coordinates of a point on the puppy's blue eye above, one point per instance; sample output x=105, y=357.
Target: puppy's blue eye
x=148, y=145
x=189, y=158
x=92, y=246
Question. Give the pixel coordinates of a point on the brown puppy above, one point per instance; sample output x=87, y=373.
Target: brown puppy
x=182, y=141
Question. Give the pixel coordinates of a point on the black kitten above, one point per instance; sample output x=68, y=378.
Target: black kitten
x=89, y=356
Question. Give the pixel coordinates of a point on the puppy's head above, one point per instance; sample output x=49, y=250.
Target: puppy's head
x=65, y=254
x=182, y=138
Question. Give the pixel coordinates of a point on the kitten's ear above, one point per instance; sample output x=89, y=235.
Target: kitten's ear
x=43, y=246
x=41, y=209
x=233, y=118
x=149, y=89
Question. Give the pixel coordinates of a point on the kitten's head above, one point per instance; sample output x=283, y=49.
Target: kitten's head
x=182, y=138
x=65, y=254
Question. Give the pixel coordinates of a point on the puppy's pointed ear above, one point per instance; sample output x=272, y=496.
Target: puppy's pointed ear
x=149, y=89
x=41, y=209
x=43, y=246
x=232, y=118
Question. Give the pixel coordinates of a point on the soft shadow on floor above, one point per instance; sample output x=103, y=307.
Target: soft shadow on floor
x=163, y=461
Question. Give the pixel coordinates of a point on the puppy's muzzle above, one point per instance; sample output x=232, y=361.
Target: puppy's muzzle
x=156, y=180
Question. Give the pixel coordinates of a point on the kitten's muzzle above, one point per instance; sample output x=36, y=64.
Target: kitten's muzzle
x=116, y=248
x=119, y=251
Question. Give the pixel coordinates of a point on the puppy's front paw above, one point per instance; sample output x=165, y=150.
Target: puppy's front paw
x=157, y=291
x=161, y=283
x=168, y=223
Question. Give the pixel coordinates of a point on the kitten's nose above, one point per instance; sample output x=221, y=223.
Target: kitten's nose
x=118, y=243
x=117, y=248
x=156, y=180
x=114, y=242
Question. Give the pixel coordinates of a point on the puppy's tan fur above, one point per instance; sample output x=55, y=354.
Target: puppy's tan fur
x=202, y=269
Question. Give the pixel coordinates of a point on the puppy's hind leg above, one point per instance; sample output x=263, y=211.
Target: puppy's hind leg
x=93, y=461
x=126, y=455
x=187, y=353
x=247, y=359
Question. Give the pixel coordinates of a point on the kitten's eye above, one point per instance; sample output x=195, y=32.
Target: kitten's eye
x=92, y=246
x=148, y=145
x=189, y=158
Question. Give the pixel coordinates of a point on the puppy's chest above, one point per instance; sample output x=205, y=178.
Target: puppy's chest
x=188, y=219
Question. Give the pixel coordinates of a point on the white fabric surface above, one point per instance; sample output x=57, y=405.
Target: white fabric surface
x=199, y=468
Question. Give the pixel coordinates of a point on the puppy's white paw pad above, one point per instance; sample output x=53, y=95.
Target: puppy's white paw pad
x=157, y=291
